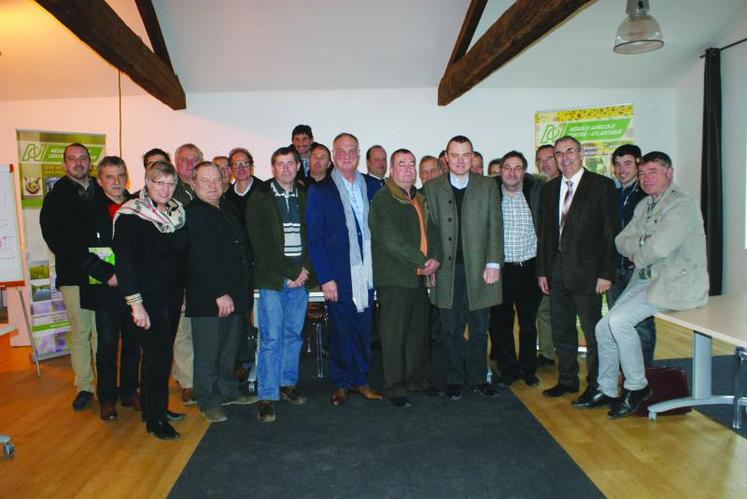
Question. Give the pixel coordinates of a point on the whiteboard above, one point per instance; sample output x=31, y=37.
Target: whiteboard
x=11, y=264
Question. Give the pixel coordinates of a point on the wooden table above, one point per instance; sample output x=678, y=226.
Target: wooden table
x=723, y=318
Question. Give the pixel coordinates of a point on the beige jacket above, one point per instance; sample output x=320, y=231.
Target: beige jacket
x=670, y=242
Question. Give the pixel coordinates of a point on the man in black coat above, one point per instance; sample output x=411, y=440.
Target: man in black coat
x=219, y=267
x=101, y=294
x=576, y=259
x=62, y=221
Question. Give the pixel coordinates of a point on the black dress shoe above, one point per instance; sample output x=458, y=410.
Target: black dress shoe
x=559, y=390
x=162, y=430
x=433, y=392
x=174, y=416
x=543, y=361
x=454, y=392
x=400, y=402
x=82, y=400
x=531, y=380
x=586, y=396
x=597, y=399
x=629, y=403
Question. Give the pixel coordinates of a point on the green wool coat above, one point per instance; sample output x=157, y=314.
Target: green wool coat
x=482, y=238
x=395, y=237
x=265, y=227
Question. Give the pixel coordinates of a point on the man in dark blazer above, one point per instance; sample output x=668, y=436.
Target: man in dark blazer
x=340, y=249
x=576, y=260
x=219, y=271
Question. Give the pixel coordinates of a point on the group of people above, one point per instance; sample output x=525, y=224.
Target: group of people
x=171, y=271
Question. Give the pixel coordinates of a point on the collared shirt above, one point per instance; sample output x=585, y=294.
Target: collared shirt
x=456, y=182
x=519, y=236
x=248, y=186
x=575, y=179
x=356, y=198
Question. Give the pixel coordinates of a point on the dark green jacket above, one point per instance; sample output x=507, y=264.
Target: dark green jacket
x=395, y=237
x=265, y=227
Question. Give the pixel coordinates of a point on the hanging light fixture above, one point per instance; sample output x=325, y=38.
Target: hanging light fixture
x=639, y=32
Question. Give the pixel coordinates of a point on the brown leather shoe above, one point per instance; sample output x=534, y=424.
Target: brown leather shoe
x=188, y=398
x=366, y=392
x=132, y=401
x=339, y=396
x=108, y=411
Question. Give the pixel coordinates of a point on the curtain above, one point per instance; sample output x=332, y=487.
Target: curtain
x=711, y=196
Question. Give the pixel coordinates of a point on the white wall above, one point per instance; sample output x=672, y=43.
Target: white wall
x=496, y=120
x=689, y=116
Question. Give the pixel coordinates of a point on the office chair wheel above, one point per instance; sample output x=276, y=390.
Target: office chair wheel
x=9, y=450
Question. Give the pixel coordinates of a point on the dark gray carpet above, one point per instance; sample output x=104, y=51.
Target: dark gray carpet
x=722, y=369
x=474, y=447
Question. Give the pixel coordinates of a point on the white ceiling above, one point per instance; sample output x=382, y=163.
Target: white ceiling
x=245, y=45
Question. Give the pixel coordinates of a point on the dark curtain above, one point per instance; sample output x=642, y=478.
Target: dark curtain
x=711, y=197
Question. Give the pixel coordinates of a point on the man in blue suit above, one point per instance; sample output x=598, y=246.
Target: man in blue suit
x=339, y=243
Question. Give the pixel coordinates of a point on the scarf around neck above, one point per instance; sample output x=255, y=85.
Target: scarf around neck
x=361, y=269
x=144, y=207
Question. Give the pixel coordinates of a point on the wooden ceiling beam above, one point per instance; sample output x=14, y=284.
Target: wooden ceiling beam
x=525, y=22
x=94, y=22
x=150, y=20
x=471, y=20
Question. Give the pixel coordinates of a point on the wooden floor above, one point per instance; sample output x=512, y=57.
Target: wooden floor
x=63, y=454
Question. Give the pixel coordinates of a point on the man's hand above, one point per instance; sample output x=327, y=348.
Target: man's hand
x=431, y=266
x=112, y=282
x=225, y=305
x=543, y=284
x=140, y=316
x=603, y=285
x=491, y=275
x=329, y=289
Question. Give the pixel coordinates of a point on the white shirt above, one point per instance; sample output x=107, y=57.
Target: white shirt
x=456, y=182
x=575, y=179
x=248, y=186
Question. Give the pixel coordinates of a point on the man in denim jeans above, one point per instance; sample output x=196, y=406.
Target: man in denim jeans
x=277, y=228
x=625, y=167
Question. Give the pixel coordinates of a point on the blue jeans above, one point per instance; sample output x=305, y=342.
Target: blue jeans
x=281, y=317
x=618, y=344
x=646, y=328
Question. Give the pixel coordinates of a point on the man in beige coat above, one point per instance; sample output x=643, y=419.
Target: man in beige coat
x=466, y=213
x=666, y=242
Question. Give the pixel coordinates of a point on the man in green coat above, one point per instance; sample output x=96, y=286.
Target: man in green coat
x=276, y=221
x=403, y=267
x=466, y=212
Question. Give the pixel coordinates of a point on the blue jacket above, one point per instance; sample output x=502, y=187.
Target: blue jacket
x=327, y=235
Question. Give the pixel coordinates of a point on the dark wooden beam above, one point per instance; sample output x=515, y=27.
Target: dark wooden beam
x=94, y=22
x=525, y=22
x=471, y=20
x=150, y=20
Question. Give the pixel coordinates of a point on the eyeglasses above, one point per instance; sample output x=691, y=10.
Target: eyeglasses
x=514, y=169
x=570, y=150
x=241, y=164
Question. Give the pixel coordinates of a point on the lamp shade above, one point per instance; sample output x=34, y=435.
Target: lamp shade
x=637, y=34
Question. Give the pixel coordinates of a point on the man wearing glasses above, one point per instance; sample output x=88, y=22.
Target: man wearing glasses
x=576, y=260
x=340, y=249
x=242, y=167
x=520, y=202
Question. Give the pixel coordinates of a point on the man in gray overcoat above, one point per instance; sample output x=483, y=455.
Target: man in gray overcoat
x=466, y=213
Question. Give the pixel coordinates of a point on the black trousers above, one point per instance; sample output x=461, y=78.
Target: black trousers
x=564, y=306
x=520, y=290
x=112, y=323
x=157, y=344
x=465, y=360
x=404, y=339
x=215, y=341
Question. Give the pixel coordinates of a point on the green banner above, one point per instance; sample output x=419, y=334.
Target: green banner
x=40, y=157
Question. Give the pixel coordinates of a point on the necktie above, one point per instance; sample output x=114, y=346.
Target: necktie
x=566, y=207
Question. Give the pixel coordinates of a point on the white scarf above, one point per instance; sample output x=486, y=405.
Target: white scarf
x=361, y=271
